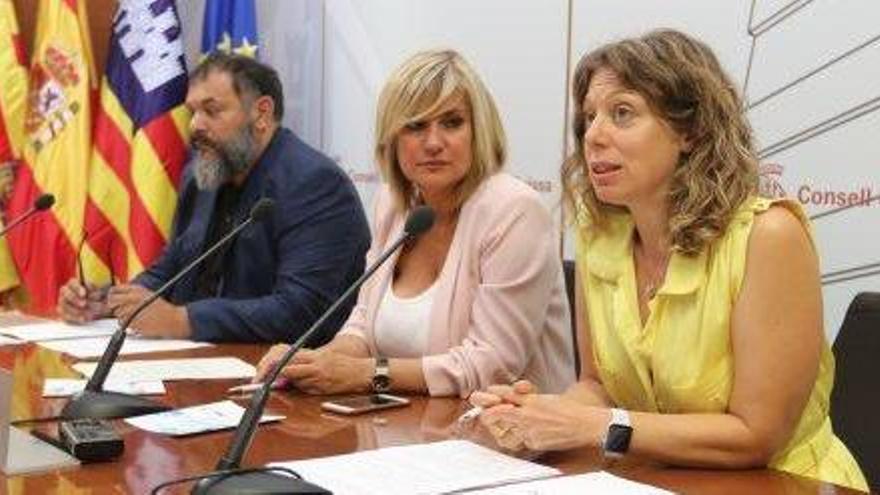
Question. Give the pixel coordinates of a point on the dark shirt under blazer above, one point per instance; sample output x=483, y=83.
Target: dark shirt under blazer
x=279, y=275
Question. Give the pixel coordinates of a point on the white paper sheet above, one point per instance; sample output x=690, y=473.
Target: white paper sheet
x=598, y=482
x=4, y=340
x=94, y=347
x=197, y=419
x=56, y=330
x=439, y=467
x=174, y=369
x=65, y=387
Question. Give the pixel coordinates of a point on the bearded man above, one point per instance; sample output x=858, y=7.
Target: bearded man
x=277, y=277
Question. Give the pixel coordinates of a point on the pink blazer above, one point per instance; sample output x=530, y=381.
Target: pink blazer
x=500, y=311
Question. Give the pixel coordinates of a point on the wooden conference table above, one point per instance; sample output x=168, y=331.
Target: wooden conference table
x=150, y=459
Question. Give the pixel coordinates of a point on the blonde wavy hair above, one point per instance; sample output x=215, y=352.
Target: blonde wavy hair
x=418, y=90
x=684, y=85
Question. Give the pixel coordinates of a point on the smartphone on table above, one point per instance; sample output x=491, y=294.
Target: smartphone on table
x=359, y=404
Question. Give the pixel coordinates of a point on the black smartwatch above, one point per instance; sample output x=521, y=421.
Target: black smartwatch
x=617, y=439
x=381, y=378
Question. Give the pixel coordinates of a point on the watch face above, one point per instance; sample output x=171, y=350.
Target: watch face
x=381, y=383
x=617, y=441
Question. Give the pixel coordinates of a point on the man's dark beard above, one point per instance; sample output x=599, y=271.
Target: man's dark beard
x=227, y=160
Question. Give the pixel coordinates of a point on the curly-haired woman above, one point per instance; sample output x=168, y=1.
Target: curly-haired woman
x=698, y=302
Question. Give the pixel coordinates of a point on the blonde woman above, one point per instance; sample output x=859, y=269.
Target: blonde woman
x=698, y=303
x=477, y=300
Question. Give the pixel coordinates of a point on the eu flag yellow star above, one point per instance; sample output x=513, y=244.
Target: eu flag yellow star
x=246, y=48
x=225, y=44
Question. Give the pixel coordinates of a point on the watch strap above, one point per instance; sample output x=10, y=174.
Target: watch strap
x=619, y=417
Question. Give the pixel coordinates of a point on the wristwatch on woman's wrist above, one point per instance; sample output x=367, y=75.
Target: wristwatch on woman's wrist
x=381, y=377
x=619, y=434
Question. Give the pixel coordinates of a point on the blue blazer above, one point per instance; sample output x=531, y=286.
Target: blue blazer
x=280, y=274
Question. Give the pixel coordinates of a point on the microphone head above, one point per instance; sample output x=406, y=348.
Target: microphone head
x=262, y=209
x=420, y=220
x=44, y=202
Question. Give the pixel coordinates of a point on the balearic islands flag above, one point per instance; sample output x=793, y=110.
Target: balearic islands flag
x=141, y=133
x=13, y=94
x=56, y=152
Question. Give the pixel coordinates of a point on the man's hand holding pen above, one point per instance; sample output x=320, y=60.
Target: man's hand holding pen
x=81, y=303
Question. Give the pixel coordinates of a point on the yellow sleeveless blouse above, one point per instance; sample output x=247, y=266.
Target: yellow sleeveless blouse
x=681, y=361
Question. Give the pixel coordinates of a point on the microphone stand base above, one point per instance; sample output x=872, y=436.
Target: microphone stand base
x=107, y=405
x=254, y=483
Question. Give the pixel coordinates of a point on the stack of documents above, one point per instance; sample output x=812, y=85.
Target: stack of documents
x=94, y=347
x=91, y=339
x=197, y=419
x=433, y=468
x=55, y=330
x=598, y=482
x=174, y=369
x=65, y=387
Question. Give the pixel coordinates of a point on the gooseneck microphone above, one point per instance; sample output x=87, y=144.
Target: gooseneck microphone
x=94, y=402
x=254, y=482
x=44, y=202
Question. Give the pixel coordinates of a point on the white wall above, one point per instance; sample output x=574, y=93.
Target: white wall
x=815, y=102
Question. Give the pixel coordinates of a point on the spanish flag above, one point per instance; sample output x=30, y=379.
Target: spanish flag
x=56, y=151
x=13, y=94
x=141, y=135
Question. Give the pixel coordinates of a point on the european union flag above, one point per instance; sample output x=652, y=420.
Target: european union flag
x=230, y=26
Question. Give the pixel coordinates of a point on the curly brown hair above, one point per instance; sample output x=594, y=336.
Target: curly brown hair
x=684, y=85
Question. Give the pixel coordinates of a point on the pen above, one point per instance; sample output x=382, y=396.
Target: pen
x=470, y=415
x=79, y=262
x=103, y=291
x=253, y=387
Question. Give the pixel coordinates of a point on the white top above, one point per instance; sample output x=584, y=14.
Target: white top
x=403, y=324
